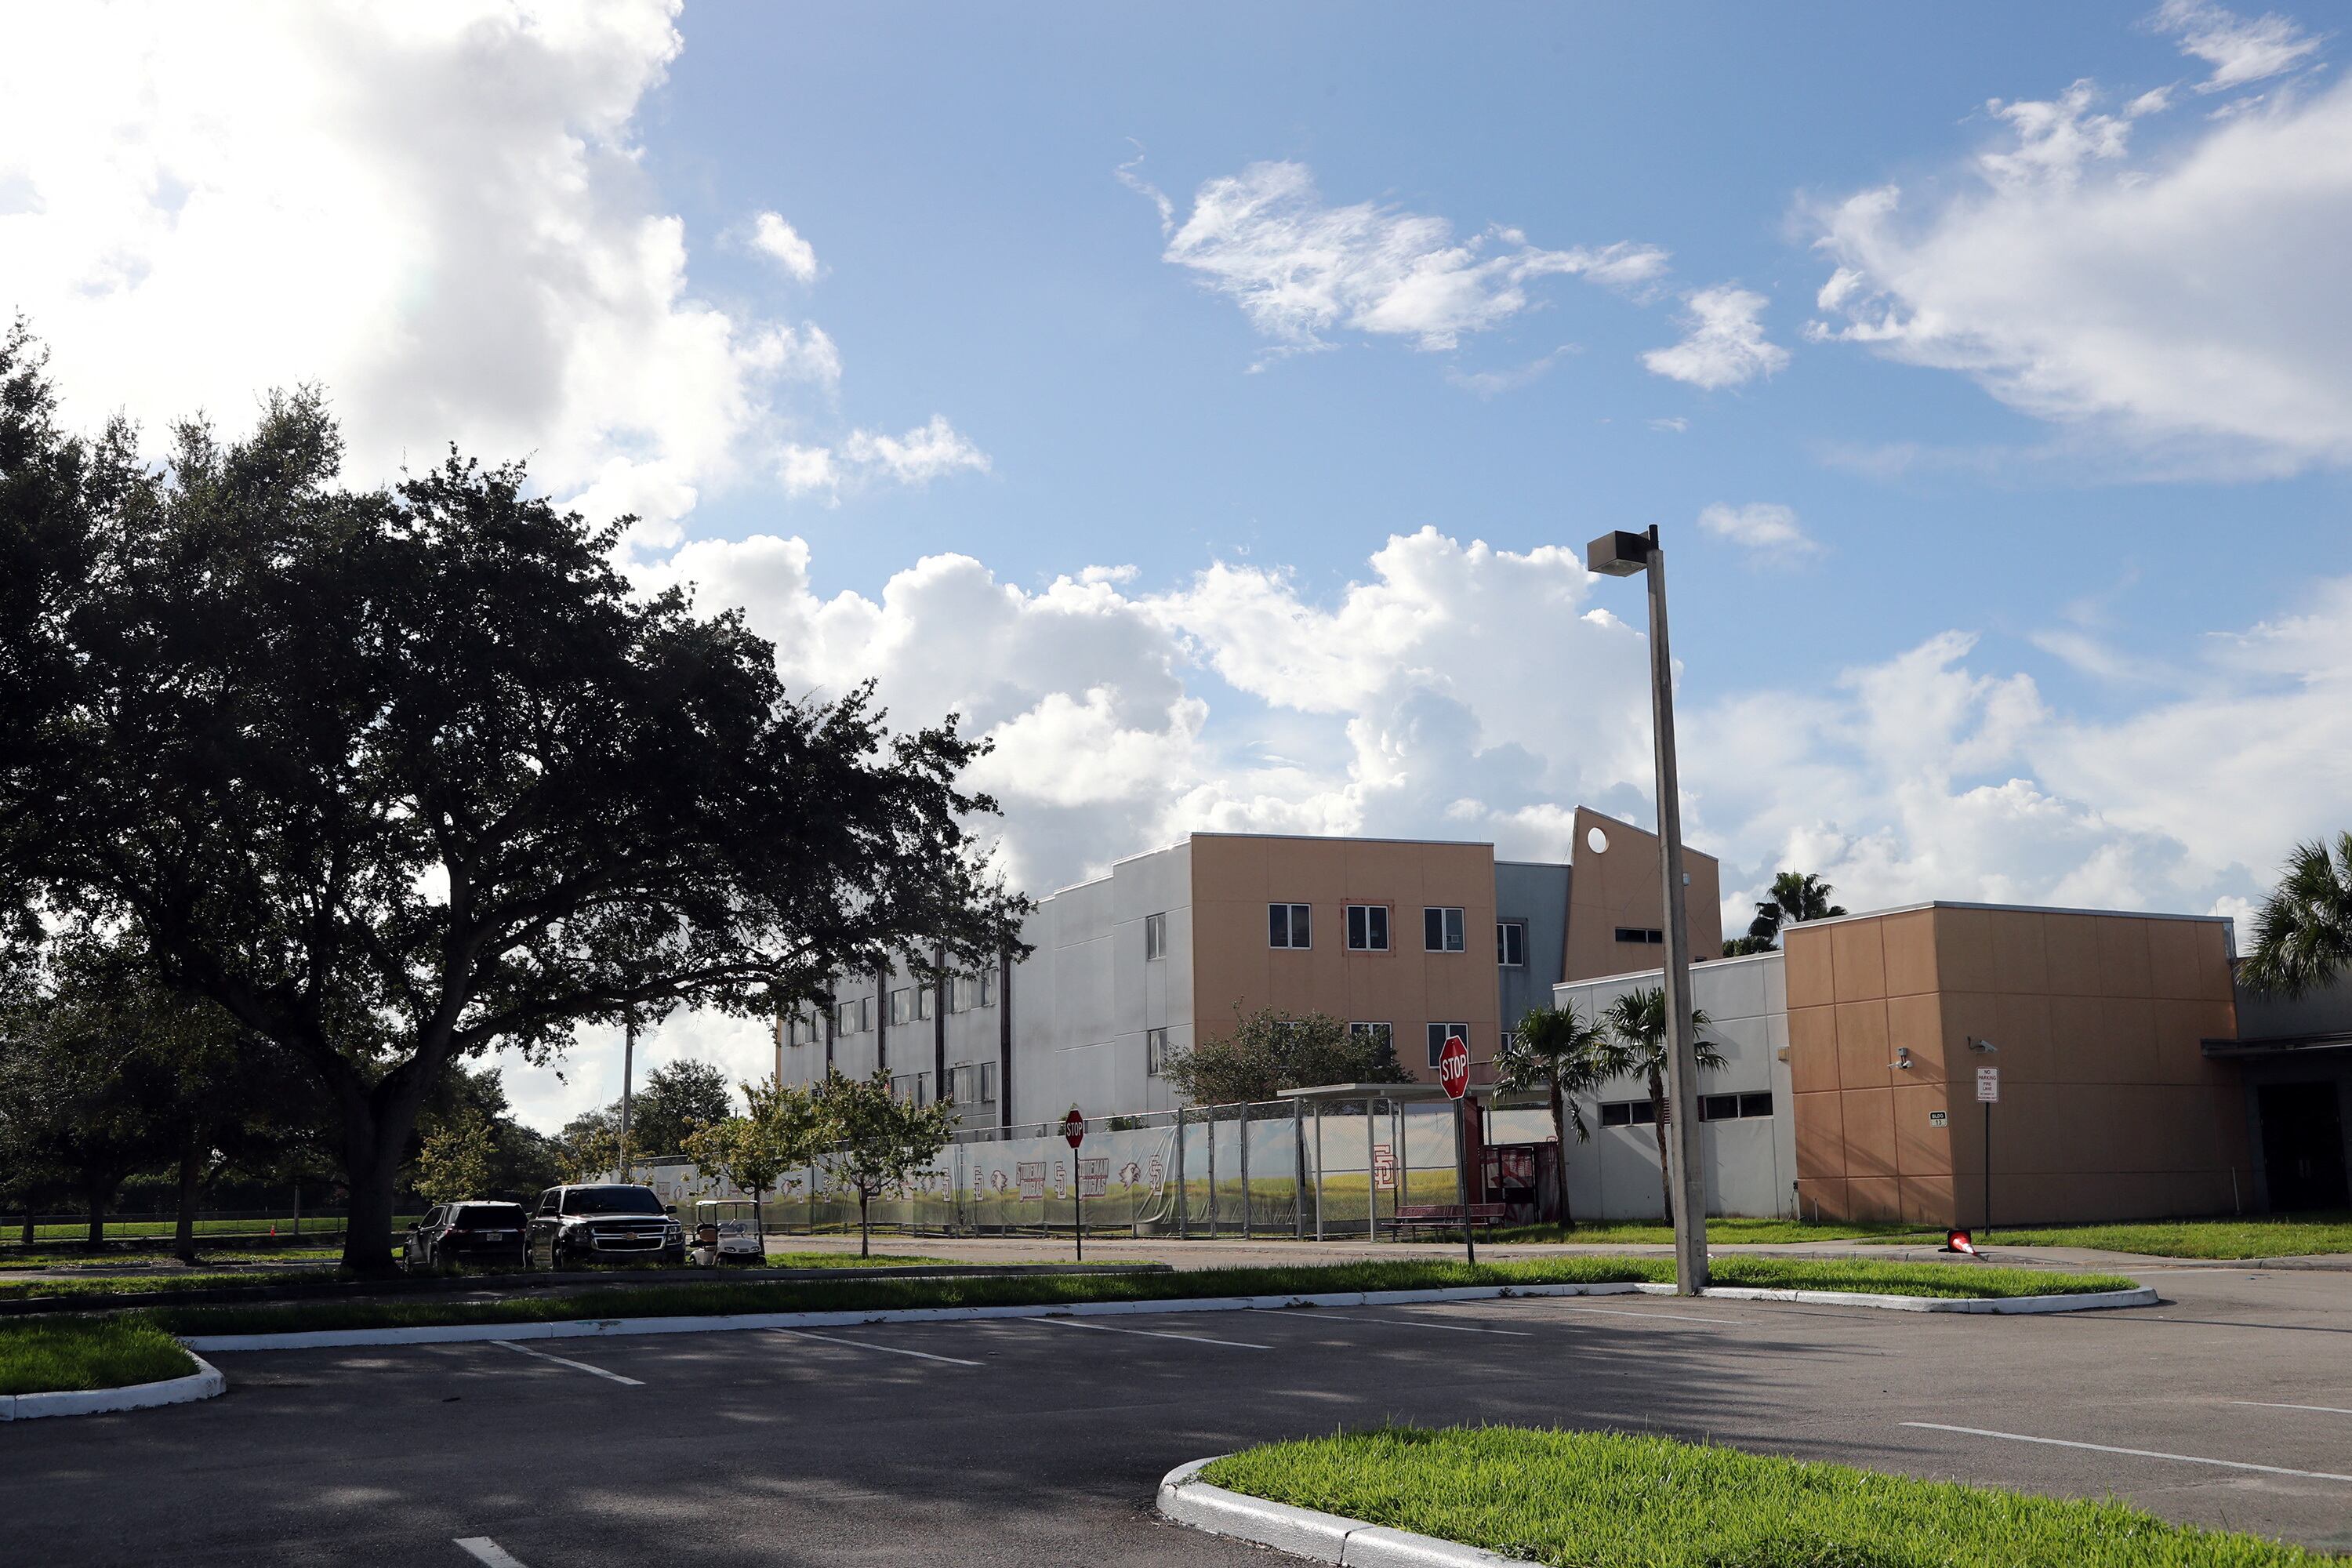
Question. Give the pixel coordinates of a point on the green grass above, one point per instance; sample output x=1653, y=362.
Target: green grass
x=1722, y=1231
x=79, y=1258
x=1587, y=1498
x=145, y=1230
x=42, y=1354
x=2283, y=1236
x=881, y=1295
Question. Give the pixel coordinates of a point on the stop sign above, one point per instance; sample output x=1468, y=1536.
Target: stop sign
x=1453, y=1067
x=1074, y=1127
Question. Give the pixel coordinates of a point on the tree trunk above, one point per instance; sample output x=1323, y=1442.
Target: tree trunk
x=98, y=1201
x=1560, y=1165
x=864, y=1249
x=372, y=1165
x=1658, y=1120
x=184, y=1242
x=28, y=1236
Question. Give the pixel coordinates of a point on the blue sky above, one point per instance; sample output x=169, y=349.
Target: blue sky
x=1210, y=403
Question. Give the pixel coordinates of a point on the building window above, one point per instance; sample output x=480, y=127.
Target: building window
x=1362, y=1029
x=1441, y=931
x=1367, y=928
x=1506, y=1040
x=845, y=1018
x=974, y=1083
x=1286, y=925
x=914, y=1088
x=966, y=992
x=902, y=1006
x=1511, y=943
x=1439, y=1033
x=1155, y=1052
x=1650, y=934
x=988, y=988
x=1733, y=1107
x=1155, y=937
x=1627, y=1113
x=923, y=1007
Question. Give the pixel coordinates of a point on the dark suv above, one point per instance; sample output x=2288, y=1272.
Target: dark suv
x=604, y=1220
x=466, y=1233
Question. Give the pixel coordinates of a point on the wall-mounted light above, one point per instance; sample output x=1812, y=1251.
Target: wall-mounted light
x=1984, y=1048
x=1901, y=1058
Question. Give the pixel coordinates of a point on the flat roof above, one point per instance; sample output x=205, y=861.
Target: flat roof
x=2007, y=908
x=1415, y=1092
x=1659, y=972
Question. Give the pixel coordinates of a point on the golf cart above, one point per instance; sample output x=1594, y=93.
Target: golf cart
x=728, y=1230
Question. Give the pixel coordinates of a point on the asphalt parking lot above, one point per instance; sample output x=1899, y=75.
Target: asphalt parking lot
x=1040, y=1441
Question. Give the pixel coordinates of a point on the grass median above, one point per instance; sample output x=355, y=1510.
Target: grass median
x=1580, y=1497
x=2282, y=1235
x=42, y=1355
x=1720, y=1231
x=1046, y=1290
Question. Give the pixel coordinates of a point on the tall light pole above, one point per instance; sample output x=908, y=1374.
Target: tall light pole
x=628, y=1076
x=1621, y=554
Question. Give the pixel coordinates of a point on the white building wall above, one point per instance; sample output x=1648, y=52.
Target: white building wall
x=1750, y=1164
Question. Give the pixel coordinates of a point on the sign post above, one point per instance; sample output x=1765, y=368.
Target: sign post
x=1988, y=1094
x=1073, y=1129
x=1453, y=1077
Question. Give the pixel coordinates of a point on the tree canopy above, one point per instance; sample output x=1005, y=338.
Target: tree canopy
x=396, y=776
x=1268, y=1052
x=1796, y=896
x=679, y=1099
x=879, y=1141
x=2303, y=932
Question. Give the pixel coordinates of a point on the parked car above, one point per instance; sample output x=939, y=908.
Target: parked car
x=468, y=1232
x=604, y=1220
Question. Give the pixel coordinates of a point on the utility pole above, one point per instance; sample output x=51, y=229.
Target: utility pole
x=1621, y=554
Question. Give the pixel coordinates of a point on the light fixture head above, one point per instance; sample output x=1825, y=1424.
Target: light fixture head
x=1985, y=1046
x=1901, y=1058
x=1619, y=554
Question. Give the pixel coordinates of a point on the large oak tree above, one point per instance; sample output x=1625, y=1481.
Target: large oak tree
x=399, y=776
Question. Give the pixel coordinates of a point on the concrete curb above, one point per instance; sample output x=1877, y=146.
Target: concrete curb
x=204, y=1382
x=599, y=1328
x=1305, y=1532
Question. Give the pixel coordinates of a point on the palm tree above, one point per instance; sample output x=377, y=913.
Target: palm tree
x=2303, y=932
x=1796, y=896
x=1638, y=1019
x=1565, y=1054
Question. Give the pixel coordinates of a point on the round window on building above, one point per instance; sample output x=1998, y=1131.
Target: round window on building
x=1596, y=840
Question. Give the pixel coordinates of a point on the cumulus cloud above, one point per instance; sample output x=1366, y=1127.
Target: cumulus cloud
x=781, y=243
x=1300, y=268
x=2240, y=49
x=439, y=213
x=1723, y=341
x=1764, y=528
x=2181, y=308
x=926, y=452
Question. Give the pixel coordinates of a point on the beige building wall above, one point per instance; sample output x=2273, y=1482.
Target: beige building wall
x=1235, y=877
x=2108, y=1109
x=1615, y=885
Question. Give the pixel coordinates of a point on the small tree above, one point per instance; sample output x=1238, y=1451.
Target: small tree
x=1268, y=1052
x=456, y=1161
x=2303, y=932
x=590, y=1144
x=787, y=1128
x=880, y=1140
x=1638, y=1019
x=1565, y=1054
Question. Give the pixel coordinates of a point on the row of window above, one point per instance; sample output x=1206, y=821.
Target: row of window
x=909, y=1005
x=1711, y=1108
x=1443, y=930
x=974, y=1083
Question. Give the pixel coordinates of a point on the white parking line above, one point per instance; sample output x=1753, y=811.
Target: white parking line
x=1407, y=1322
x=1146, y=1334
x=561, y=1360
x=2273, y=1405
x=482, y=1549
x=862, y=1345
x=2136, y=1453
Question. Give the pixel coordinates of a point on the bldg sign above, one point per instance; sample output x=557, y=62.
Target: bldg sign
x=1940, y=1118
x=1988, y=1085
x=1093, y=1177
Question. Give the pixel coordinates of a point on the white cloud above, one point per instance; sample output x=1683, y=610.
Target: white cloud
x=1493, y=383
x=2240, y=49
x=1723, y=341
x=439, y=213
x=1299, y=268
x=1673, y=425
x=2183, y=309
x=1763, y=527
x=923, y=453
x=781, y=243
